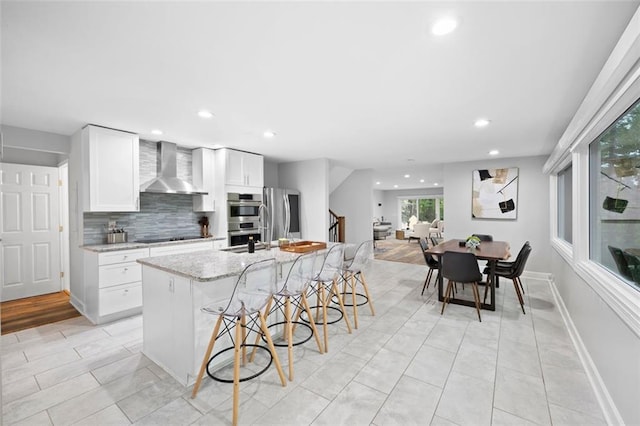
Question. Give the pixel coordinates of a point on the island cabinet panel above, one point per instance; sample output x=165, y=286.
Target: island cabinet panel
x=168, y=322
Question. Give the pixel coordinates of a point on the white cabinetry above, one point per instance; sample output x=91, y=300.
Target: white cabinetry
x=110, y=170
x=203, y=165
x=113, y=284
x=243, y=168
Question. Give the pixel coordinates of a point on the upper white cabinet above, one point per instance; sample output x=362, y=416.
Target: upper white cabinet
x=203, y=164
x=243, y=168
x=110, y=170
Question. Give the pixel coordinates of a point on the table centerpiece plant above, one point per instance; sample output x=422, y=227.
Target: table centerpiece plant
x=472, y=242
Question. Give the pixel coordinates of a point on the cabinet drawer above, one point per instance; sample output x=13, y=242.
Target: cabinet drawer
x=120, y=273
x=122, y=256
x=120, y=298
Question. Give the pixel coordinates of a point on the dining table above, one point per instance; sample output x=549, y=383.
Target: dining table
x=491, y=251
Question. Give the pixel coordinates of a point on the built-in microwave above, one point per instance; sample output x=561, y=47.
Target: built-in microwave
x=241, y=207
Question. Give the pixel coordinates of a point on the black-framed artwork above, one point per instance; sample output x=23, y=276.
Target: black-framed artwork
x=495, y=194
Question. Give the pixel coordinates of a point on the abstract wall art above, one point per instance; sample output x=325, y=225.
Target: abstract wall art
x=495, y=194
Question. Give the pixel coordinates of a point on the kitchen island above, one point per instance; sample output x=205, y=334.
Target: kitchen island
x=174, y=288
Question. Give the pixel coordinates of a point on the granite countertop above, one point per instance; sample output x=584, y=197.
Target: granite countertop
x=102, y=248
x=214, y=264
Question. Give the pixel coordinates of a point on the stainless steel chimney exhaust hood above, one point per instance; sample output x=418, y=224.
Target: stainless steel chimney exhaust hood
x=167, y=181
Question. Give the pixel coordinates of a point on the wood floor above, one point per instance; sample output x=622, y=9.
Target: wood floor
x=399, y=251
x=31, y=312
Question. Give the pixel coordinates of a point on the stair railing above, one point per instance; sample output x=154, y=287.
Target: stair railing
x=336, y=227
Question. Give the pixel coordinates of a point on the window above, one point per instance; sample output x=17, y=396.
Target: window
x=565, y=191
x=424, y=209
x=614, y=220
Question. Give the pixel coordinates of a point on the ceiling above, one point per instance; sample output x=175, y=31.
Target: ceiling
x=364, y=84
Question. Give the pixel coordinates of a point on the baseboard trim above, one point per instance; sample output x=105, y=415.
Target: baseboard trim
x=544, y=276
x=79, y=307
x=611, y=413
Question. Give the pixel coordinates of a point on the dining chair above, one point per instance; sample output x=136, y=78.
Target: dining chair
x=621, y=262
x=292, y=292
x=460, y=268
x=513, y=271
x=353, y=274
x=324, y=286
x=243, y=313
x=432, y=263
x=505, y=264
x=633, y=263
x=484, y=237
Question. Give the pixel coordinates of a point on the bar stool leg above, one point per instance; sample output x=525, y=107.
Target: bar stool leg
x=305, y=304
x=324, y=317
x=353, y=298
x=334, y=289
x=289, y=334
x=366, y=292
x=276, y=360
x=236, y=369
x=207, y=354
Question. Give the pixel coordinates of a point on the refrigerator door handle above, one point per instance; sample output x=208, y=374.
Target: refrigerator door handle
x=287, y=215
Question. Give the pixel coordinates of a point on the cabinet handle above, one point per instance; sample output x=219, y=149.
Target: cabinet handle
x=126, y=290
x=125, y=269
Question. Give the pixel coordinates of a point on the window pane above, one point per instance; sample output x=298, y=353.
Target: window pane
x=565, y=191
x=615, y=197
x=408, y=208
x=427, y=209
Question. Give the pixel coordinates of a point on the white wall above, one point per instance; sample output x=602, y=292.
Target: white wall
x=378, y=204
x=271, y=174
x=311, y=178
x=353, y=199
x=613, y=347
x=33, y=147
x=532, y=223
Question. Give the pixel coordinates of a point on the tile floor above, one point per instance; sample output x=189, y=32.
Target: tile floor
x=406, y=365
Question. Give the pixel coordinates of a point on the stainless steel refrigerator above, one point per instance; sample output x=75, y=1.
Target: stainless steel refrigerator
x=282, y=218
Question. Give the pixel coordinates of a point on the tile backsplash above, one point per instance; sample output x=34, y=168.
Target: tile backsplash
x=160, y=215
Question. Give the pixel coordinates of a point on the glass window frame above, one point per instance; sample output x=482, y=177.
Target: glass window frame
x=439, y=206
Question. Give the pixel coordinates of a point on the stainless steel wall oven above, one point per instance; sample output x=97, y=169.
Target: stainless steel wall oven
x=243, y=217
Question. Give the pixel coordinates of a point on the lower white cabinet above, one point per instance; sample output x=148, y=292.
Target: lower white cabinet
x=113, y=284
x=120, y=298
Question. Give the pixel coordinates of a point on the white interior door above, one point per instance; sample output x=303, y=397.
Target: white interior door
x=29, y=228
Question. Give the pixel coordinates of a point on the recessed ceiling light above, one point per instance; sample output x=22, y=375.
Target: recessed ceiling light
x=268, y=134
x=435, y=183
x=156, y=132
x=481, y=122
x=205, y=114
x=444, y=26
x=494, y=152
x=407, y=176
x=377, y=183
x=395, y=186
x=421, y=180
